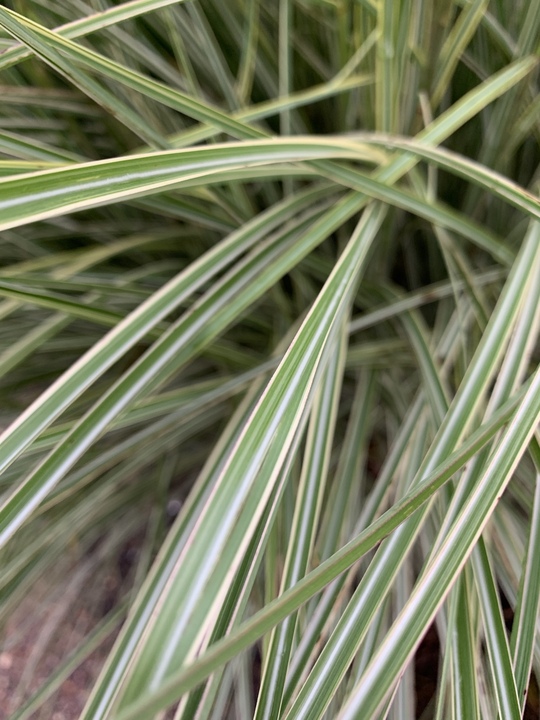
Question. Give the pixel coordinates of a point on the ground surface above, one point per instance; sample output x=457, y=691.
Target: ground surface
x=44, y=630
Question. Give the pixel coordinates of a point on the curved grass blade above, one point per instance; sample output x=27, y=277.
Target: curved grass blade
x=31, y=197
x=90, y=24
x=336, y=656
x=495, y=633
x=126, y=334
x=528, y=606
x=273, y=424
x=50, y=46
x=435, y=212
x=119, y=659
x=189, y=335
x=64, y=305
x=461, y=111
x=308, y=506
x=317, y=579
x=445, y=566
x=497, y=184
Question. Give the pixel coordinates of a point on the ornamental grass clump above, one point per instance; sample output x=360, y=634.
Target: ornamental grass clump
x=269, y=309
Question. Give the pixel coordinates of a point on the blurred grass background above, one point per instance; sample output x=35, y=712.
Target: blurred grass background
x=268, y=272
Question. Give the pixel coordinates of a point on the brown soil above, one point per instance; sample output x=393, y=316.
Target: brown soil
x=47, y=627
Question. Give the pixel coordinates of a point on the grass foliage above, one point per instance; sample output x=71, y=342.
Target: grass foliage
x=277, y=265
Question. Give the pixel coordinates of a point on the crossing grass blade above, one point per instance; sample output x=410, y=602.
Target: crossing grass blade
x=370, y=692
